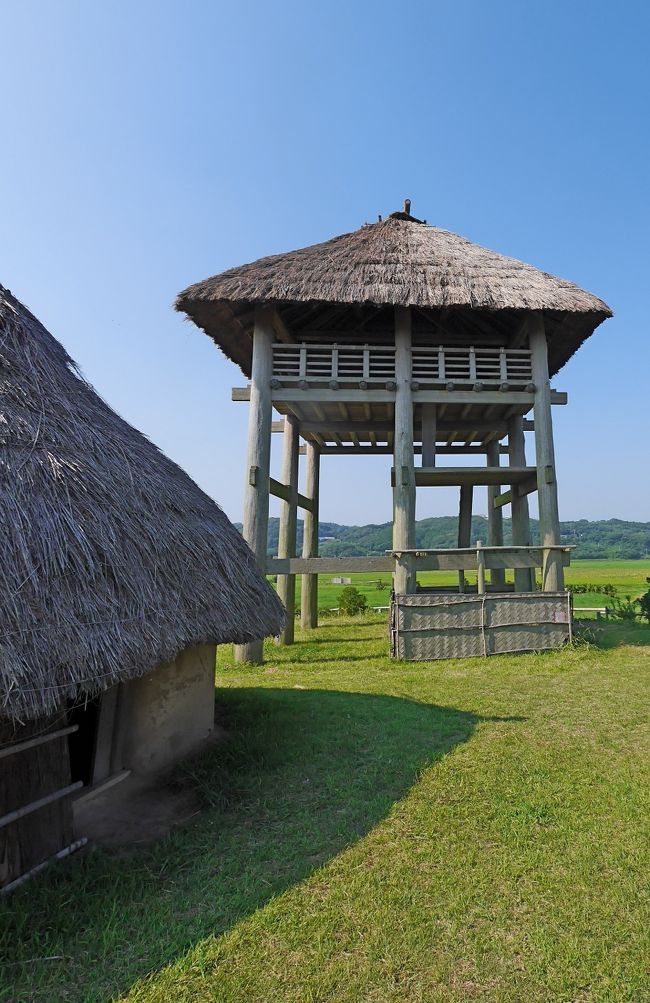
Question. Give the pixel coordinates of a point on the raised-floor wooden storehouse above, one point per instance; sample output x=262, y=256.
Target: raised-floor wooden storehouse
x=405, y=339
x=118, y=578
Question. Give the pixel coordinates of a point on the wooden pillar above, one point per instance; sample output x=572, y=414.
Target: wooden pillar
x=524, y=577
x=256, y=492
x=495, y=515
x=549, y=519
x=480, y=568
x=309, y=583
x=288, y=520
x=404, y=487
x=428, y=435
x=464, y=525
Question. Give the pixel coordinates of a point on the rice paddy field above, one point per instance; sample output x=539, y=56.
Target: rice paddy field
x=370, y=831
x=627, y=577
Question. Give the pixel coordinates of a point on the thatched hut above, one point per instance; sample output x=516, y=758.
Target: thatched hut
x=119, y=577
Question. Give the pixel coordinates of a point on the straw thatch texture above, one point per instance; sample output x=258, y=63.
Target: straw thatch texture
x=399, y=261
x=112, y=560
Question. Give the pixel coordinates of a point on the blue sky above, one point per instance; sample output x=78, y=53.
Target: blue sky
x=148, y=145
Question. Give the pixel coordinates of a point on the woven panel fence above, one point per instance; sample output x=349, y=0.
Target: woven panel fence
x=431, y=626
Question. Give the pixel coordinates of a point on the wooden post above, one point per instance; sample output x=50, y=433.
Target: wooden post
x=495, y=515
x=428, y=435
x=287, y=531
x=404, y=488
x=464, y=525
x=480, y=565
x=256, y=492
x=524, y=577
x=549, y=519
x=309, y=583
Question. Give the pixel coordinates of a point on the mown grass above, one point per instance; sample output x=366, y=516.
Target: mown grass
x=627, y=577
x=376, y=831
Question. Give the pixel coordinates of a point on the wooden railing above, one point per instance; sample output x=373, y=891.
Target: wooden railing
x=375, y=364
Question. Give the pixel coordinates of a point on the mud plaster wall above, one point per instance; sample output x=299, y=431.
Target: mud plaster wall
x=170, y=711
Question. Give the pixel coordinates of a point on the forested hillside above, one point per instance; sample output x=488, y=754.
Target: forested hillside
x=608, y=539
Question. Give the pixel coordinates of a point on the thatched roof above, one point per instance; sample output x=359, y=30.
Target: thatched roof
x=112, y=560
x=400, y=261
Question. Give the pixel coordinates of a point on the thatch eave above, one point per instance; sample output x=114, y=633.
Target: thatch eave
x=397, y=262
x=113, y=560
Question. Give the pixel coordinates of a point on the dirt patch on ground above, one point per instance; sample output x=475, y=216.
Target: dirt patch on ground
x=138, y=810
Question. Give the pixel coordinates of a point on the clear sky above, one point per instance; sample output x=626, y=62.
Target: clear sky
x=146, y=145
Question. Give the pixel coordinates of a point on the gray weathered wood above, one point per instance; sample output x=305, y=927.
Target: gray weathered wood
x=256, y=491
x=495, y=515
x=549, y=519
x=480, y=568
x=287, y=529
x=464, y=526
x=442, y=560
x=309, y=583
x=344, y=393
x=31, y=743
x=328, y=565
x=455, y=476
x=404, y=486
x=429, y=435
x=524, y=579
x=283, y=491
x=456, y=449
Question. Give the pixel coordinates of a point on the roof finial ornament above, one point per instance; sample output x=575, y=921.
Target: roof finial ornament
x=407, y=206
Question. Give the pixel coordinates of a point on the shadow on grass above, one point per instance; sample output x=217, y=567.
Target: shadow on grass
x=304, y=774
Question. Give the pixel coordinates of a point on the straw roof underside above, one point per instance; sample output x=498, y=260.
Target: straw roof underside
x=399, y=261
x=112, y=560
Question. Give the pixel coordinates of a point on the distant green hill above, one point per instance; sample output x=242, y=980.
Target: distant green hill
x=608, y=539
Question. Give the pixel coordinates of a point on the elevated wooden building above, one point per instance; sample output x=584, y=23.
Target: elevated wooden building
x=405, y=339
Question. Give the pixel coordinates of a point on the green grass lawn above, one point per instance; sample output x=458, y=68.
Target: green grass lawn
x=628, y=577
x=377, y=831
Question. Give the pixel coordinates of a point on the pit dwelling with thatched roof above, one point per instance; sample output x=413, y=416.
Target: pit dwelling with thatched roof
x=404, y=339
x=119, y=578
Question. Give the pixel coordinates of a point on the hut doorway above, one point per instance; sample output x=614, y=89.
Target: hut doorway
x=95, y=746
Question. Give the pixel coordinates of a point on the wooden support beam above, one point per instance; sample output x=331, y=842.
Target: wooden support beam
x=256, y=492
x=495, y=515
x=309, y=582
x=480, y=568
x=404, y=581
x=281, y=330
x=502, y=499
x=384, y=450
x=524, y=579
x=283, y=491
x=352, y=395
x=287, y=530
x=455, y=476
x=464, y=526
x=329, y=565
x=441, y=560
x=428, y=435
x=549, y=519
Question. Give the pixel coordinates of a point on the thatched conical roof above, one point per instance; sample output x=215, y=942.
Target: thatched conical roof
x=399, y=261
x=112, y=559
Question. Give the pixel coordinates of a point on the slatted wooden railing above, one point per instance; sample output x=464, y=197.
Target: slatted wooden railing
x=375, y=364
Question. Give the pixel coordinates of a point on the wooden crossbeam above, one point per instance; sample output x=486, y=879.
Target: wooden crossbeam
x=283, y=491
x=352, y=395
x=442, y=560
x=454, y=476
x=385, y=450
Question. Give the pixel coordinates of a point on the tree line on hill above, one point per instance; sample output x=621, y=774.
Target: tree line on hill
x=605, y=539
